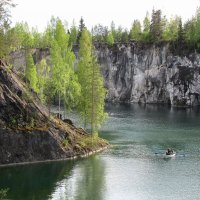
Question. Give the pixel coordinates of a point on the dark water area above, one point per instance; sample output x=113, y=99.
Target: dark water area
x=135, y=167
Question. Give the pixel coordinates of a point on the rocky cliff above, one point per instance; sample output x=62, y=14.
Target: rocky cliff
x=150, y=74
x=28, y=134
x=142, y=73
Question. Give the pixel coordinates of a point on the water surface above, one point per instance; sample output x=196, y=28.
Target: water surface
x=134, y=168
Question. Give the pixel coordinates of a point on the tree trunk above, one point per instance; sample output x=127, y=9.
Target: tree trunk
x=59, y=106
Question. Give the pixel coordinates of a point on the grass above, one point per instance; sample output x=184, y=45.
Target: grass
x=65, y=143
x=90, y=141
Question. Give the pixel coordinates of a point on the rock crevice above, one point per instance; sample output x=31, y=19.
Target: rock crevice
x=150, y=74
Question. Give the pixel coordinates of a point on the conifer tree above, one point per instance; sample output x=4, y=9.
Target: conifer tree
x=81, y=28
x=156, y=26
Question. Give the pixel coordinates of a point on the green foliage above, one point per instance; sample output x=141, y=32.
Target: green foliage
x=63, y=76
x=81, y=28
x=65, y=143
x=5, y=36
x=23, y=36
x=43, y=76
x=99, y=33
x=91, y=105
x=31, y=73
x=109, y=39
x=37, y=38
x=89, y=141
x=146, y=28
x=135, y=32
x=73, y=34
x=156, y=26
x=49, y=92
x=170, y=33
x=125, y=36
x=3, y=193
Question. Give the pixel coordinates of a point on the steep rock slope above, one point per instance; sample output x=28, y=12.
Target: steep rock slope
x=27, y=133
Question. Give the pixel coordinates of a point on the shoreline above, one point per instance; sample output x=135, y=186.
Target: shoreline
x=85, y=155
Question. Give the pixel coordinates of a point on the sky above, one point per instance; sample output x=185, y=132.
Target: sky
x=38, y=12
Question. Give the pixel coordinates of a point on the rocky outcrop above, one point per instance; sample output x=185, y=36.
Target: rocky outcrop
x=28, y=134
x=150, y=74
x=141, y=73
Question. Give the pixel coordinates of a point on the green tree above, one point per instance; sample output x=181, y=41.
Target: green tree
x=37, y=38
x=23, y=36
x=5, y=40
x=146, y=28
x=73, y=34
x=156, y=26
x=109, y=39
x=43, y=76
x=63, y=75
x=113, y=30
x=116, y=32
x=125, y=36
x=31, y=73
x=135, y=32
x=49, y=92
x=96, y=95
x=91, y=105
x=81, y=28
x=170, y=33
x=99, y=33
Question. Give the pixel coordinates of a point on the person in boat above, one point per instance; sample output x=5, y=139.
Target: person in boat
x=169, y=152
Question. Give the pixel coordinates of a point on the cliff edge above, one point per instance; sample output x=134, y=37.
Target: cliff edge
x=141, y=73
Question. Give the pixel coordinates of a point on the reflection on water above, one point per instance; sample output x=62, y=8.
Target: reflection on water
x=83, y=181
x=33, y=182
x=134, y=168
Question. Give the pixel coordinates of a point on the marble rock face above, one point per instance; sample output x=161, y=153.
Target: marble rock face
x=140, y=73
x=150, y=74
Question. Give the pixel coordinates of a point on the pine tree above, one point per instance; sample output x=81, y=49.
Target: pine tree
x=180, y=33
x=81, y=28
x=156, y=26
x=31, y=73
x=91, y=105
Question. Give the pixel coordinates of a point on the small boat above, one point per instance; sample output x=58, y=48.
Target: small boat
x=170, y=155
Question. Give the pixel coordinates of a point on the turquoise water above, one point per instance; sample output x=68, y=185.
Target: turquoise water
x=135, y=168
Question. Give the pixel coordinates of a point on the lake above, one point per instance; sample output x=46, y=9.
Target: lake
x=134, y=168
